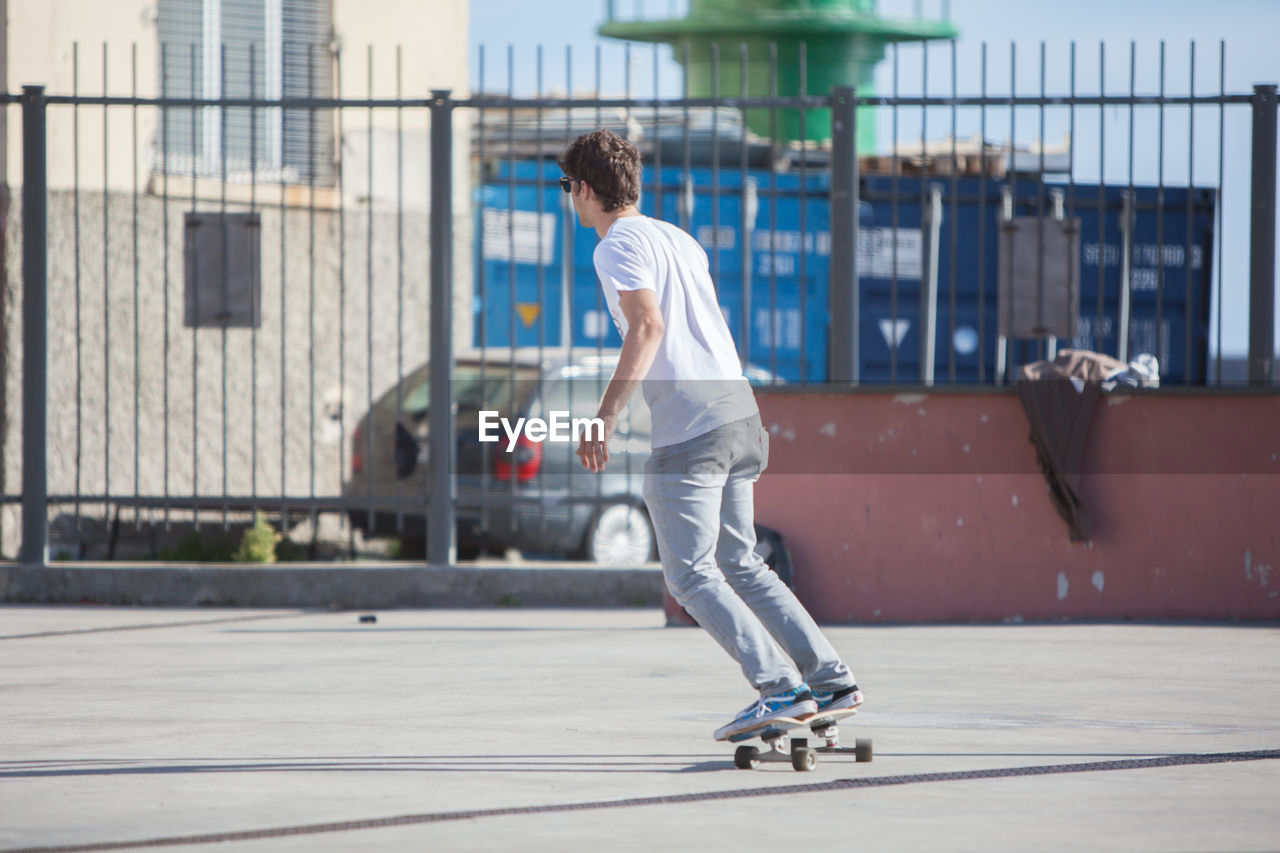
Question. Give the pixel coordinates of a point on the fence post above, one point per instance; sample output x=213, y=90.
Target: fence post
x=1262, y=239
x=35, y=325
x=440, y=520
x=843, y=289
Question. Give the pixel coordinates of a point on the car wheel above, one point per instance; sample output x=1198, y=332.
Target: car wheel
x=620, y=536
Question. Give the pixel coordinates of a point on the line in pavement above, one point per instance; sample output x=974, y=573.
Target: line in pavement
x=739, y=793
x=184, y=624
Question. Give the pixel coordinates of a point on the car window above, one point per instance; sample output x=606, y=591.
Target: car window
x=580, y=396
x=498, y=388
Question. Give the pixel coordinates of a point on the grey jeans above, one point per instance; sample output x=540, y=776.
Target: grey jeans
x=700, y=499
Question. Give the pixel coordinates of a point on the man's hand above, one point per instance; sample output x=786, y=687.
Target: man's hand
x=594, y=454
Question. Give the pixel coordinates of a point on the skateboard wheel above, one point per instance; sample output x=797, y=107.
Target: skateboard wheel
x=746, y=758
x=804, y=759
x=862, y=749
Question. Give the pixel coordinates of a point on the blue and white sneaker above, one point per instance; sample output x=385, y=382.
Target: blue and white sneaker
x=844, y=699
x=796, y=704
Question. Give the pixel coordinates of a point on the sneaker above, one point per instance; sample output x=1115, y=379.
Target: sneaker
x=797, y=704
x=846, y=698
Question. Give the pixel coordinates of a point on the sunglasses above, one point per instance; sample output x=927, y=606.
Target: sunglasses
x=566, y=183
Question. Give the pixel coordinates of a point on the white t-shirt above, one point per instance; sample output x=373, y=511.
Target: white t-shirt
x=696, y=382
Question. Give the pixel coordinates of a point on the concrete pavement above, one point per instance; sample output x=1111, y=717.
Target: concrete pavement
x=297, y=730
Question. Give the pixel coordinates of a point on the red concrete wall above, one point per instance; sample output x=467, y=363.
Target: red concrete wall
x=932, y=507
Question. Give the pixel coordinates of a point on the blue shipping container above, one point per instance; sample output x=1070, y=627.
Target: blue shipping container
x=526, y=293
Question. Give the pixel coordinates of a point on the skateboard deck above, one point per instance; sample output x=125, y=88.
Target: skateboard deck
x=782, y=747
x=769, y=729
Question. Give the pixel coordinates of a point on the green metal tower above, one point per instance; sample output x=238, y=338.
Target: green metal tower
x=844, y=41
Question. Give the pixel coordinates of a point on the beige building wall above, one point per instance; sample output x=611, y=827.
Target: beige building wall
x=110, y=47
x=344, y=300
x=87, y=46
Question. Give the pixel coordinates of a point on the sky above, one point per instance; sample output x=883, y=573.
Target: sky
x=570, y=52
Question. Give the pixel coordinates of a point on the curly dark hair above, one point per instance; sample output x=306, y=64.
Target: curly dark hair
x=609, y=164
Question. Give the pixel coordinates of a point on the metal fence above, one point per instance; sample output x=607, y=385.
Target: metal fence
x=199, y=347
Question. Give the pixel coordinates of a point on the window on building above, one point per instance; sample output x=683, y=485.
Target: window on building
x=266, y=49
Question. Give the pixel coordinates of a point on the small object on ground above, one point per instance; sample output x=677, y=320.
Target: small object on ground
x=368, y=619
x=796, y=751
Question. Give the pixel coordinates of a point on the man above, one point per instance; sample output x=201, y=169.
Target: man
x=709, y=446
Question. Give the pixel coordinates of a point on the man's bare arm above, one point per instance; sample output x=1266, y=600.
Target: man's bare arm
x=644, y=333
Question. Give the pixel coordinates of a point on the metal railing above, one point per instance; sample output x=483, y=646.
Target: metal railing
x=834, y=266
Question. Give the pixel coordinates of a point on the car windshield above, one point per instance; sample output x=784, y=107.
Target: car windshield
x=474, y=389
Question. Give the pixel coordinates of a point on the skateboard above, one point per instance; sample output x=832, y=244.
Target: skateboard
x=782, y=747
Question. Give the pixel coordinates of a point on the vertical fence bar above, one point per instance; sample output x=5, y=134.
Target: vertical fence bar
x=311, y=285
x=512, y=330
x=164, y=215
x=1222, y=132
x=256, y=223
x=284, y=325
x=440, y=529
x=222, y=287
x=1187, y=317
x=512, y=311
x=598, y=293
x=481, y=278
x=1041, y=330
x=843, y=287
x=982, y=226
x=542, y=487
x=1262, y=235
x=928, y=272
x=569, y=220
x=955, y=192
x=540, y=202
x=1099, y=330
x=775, y=334
x=539, y=186
x=1074, y=236
x=191, y=222
x=893, y=224
x=1006, y=347
x=598, y=296
x=75, y=205
x=803, y=226
x=35, y=331
x=106, y=292
x=137, y=369
x=1159, y=328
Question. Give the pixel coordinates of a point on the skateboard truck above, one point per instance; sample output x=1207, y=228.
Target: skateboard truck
x=861, y=749
x=796, y=750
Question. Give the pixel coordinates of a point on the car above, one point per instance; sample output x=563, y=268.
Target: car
x=536, y=498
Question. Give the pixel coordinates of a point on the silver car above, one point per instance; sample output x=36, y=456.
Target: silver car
x=536, y=498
